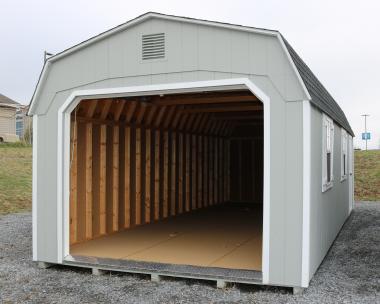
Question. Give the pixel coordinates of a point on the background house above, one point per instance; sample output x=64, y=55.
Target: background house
x=14, y=123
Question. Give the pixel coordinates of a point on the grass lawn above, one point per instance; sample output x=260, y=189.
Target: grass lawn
x=15, y=178
x=367, y=175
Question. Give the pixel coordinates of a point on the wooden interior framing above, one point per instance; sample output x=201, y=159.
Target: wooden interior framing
x=141, y=159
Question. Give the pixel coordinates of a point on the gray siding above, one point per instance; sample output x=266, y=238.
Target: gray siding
x=194, y=53
x=190, y=48
x=329, y=209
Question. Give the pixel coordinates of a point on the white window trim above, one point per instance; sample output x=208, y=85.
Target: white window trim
x=344, y=151
x=327, y=139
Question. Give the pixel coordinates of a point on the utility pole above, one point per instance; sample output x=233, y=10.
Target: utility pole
x=365, y=129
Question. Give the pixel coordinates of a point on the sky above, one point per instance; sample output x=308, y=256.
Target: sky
x=339, y=40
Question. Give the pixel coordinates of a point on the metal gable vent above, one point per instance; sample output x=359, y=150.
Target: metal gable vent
x=153, y=46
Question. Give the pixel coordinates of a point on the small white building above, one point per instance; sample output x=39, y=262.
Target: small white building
x=182, y=147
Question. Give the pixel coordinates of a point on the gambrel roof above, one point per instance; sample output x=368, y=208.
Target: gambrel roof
x=320, y=97
x=314, y=90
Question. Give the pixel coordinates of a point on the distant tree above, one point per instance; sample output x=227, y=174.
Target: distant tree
x=28, y=132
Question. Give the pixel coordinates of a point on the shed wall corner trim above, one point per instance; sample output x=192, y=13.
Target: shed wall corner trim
x=306, y=193
x=34, y=187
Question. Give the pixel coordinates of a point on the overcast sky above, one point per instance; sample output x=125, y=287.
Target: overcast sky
x=339, y=40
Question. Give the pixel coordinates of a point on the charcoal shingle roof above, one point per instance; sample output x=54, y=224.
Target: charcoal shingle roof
x=320, y=97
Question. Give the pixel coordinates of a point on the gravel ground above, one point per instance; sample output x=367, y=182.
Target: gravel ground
x=349, y=274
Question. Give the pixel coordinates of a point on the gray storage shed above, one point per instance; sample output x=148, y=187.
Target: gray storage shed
x=183, y=147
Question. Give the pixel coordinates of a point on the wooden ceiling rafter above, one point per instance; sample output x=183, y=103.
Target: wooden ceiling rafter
x=119, y=106
x=203, y=122
x=209, y=113
x=176, y=118
x=182, y=123
x=105, y=109
x=208, y=126
x=212, y=127
x=189, y=123
x=150, y=115
x=141, y=110
x=91, y=108
x=223, y=128
x=130, y=110
x=219, y=127
x=169, y=116
x=159, y=116
x=196, y=123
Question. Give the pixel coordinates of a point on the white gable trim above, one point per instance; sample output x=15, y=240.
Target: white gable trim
x=305, y=275
x=164, y=17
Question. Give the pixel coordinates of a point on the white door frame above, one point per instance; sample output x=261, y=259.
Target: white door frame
x=63, y=153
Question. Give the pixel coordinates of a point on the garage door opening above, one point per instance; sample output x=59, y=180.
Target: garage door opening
x=174, y=179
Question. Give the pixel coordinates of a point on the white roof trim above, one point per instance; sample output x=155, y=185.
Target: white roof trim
x=165, y=17
x=285, y=49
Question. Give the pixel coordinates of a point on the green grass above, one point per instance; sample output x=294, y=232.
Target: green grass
x=15, y=177
x=367, y=175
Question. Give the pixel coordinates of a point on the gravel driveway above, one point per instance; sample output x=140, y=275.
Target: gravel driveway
x=349, y=274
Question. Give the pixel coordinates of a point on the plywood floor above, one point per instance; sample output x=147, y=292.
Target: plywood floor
x=226, y=236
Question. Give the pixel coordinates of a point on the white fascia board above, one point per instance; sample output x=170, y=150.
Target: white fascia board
x=305, y=276
x=295, y=70
x=34, y=188
x=37, y=91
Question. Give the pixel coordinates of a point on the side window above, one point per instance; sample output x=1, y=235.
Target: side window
x=343, y=170
x=327, y=153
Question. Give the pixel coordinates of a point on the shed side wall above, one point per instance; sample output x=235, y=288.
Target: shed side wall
x=330, y=209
